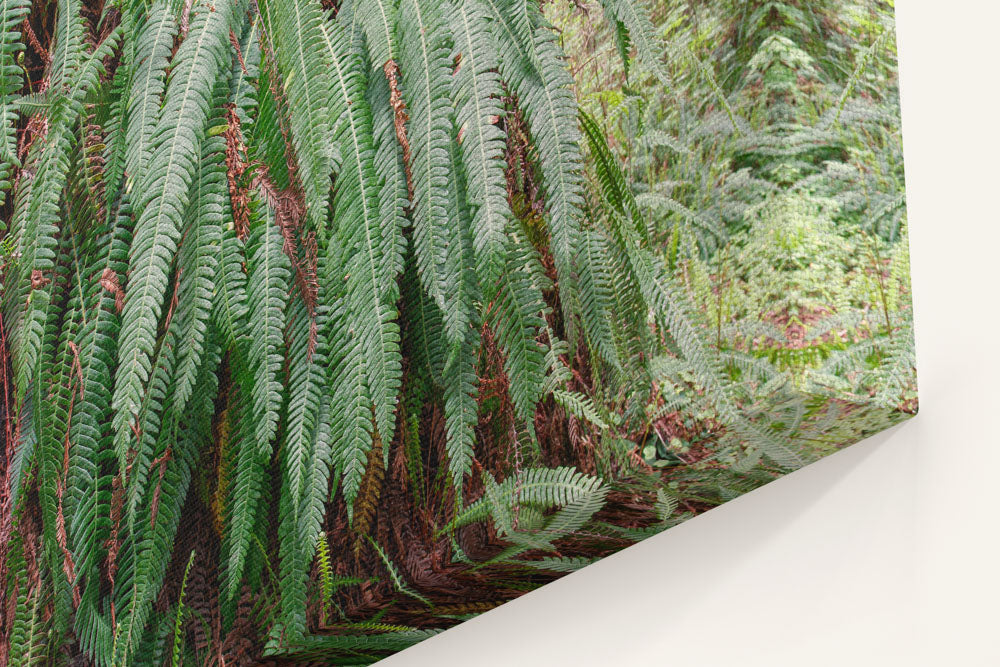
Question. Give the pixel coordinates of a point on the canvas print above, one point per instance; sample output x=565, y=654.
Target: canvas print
x=326, y=325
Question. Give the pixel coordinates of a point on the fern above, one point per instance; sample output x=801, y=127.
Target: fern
x=197, y=264
x=175, y=656
x=635, y=22
x=164, y=194
x=88, y=480
x=580, y=406
x=325, y=573
x=424, y=59
x=12, y=14
x=144, y=567
x=372, y=249
x=145, y=90
x=545, y=487
x=352, y=423
x=477, y=92
x=267, y=289
x=306, y=460
x=517, y=315
x=260, y=391
x=394, y=576
x=294, y=35
x=230, y=306
x=551, y=110
x=381, y=307
x=461, y=409
x=377, y=20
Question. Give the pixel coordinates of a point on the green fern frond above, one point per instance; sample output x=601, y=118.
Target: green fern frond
x=552, y=116
x=372, y=249
x=545, y=487
x=460, y=406
x=268, y=277
x=377, y=19
x=352, y=419
x=162, y=198
x=517, y=315
x=293, y=31
x=145, y=88
x=477, y=91
x=197, y=264
x=175, y=657
x=260, y=392
x=581, y=406
x=634, y=18
x=142, y=564
x=425, y=60
x=12, y=13
x=305, y=461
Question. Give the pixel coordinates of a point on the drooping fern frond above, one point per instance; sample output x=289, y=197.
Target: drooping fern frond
x=293, y=34
x=197, y=264
x=267, y=289
x=368, y=243
x=460, y=406
x=543, y=87
x=34, y=223
x=377, y=20
x=260, y=390
x=175, y=656
x=478, y=91
x=142, y=565
x=517, y=315
x=425, y=60
x=596, y=295
x=461, y=356
x=305, y=463
x=27, y=636
x=164, y=194
x=145, y=90
x=12, y=13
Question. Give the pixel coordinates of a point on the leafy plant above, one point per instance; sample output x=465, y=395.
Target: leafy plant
x=326, y=325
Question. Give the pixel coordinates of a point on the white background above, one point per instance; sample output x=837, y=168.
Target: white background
x=887, y=553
